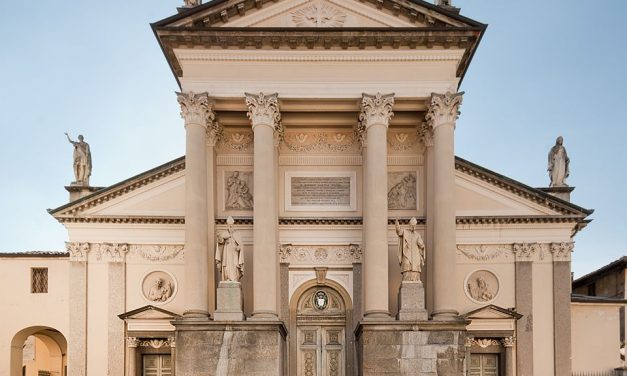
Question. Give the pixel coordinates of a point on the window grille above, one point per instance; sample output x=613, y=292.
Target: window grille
x=39, y=280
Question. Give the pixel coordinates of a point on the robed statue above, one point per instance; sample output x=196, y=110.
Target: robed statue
x=82, y=160
x=229, y=253
x=411, y=251
x=558, y=164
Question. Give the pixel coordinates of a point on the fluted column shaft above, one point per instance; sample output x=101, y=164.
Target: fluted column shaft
x=265, y=118
x=197, y=112
x=376, y=112
x=441, y=118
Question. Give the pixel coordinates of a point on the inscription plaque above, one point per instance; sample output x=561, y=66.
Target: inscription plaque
x=321, y=191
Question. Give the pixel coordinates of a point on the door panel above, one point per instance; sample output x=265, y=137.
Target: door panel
x=484, y=365
x=321, y=351
x=157, y=365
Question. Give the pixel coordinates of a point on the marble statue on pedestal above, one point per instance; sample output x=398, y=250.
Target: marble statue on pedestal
x=82, y=160
x=411, y=251
x=558, y=164
x=229, y=253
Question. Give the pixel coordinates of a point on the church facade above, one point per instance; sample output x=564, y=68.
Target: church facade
x=320, y=177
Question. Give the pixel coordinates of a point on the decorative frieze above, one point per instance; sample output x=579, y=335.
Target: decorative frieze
x=196, y=108
x=238, y=141
x=483, y=342
x=333, y=142
x=485, y=252
x=562, y=251
x=157, y=343
x=526, y=251
x=320, y=255
x=78, y=251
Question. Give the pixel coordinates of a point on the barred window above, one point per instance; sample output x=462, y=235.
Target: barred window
x=39, y=280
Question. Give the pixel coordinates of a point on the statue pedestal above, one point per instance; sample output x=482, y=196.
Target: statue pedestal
x=411, y=301
x=79, y=191
x=559, y=192
x=230, y=302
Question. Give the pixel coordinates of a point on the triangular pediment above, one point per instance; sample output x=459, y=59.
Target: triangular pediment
x=491, y=312
x=317, y=13
x=149, y=312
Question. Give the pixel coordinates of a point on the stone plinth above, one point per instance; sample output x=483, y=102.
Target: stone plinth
x=411, y=301
x=79, y=191
x=426, y=348
x=559, y=192
x=230, y=302
x=246, y=348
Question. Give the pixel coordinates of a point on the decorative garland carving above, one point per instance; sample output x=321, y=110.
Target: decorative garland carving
x=402, y=141
x=157, y=343
x=329, y=142
x=485, y=252
x=157, y=253
x=485, y=342
x=239, y=141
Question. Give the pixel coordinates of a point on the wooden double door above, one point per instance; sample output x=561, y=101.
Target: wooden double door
x=484, y=365
x=321, y=350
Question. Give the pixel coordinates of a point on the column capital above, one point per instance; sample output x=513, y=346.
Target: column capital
x=562, y=251
x=78, y=251
x=525, y=251
x=443, y=109
x=132, y=341
x=508, y=341
x=196, y=108
x=264, y=110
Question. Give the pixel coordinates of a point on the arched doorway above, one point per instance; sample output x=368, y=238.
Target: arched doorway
x=38, y=350
x=321, y=337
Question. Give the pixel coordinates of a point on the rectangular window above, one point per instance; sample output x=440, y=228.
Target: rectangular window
x=39, y=280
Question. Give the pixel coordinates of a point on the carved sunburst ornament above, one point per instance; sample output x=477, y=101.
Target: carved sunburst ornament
x=318, y=15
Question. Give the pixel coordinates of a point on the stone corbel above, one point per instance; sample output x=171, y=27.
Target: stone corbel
x=443, y=109
x=78, y=251
x=196, y=108
x=562, y=251
x=375, y=110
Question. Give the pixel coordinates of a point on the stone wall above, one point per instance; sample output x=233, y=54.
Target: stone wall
x=420, y=348
x=217, y=348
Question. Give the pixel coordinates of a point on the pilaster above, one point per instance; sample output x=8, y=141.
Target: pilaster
x=561, y=306
x=440, y=122
x=116, y=305
x=524, y=253
x=265, y=117
x=77, y=341
x=374, y=119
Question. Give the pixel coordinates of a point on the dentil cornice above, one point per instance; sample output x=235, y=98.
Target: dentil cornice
x=264, y=110
x=196, y=108
x=443, y=109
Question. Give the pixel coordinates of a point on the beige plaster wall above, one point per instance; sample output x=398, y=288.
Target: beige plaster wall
x=22, y=310
x=543, y=344
x=595, y=337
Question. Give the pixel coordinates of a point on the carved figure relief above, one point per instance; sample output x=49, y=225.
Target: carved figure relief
x=402, y=190
x=158, y=287
x=318, y=15
x=237, y=190
x=482, y=286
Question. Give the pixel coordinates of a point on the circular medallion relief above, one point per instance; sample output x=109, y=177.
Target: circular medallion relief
x=320, y=300
x=158, y=287
x=481, y=286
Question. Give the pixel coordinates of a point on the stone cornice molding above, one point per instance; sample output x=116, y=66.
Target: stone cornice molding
x=443, y=109
x=525, y=251
x=562, y=251
x=196, y=108
x=264, y=110
x=375, y=110
x=78, y=251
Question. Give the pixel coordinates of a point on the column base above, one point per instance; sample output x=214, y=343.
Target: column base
x=377, y=315
x=244, y=348
x=446, y=315
x=265, y=316
x=411, y=348
x=196, y=314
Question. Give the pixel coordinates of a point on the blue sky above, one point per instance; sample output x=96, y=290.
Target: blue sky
x=544, y=68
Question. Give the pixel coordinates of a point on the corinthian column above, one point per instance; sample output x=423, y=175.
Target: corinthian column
x=197, y=112
x=263, y=112
x=376, y=112
x=441, y=116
